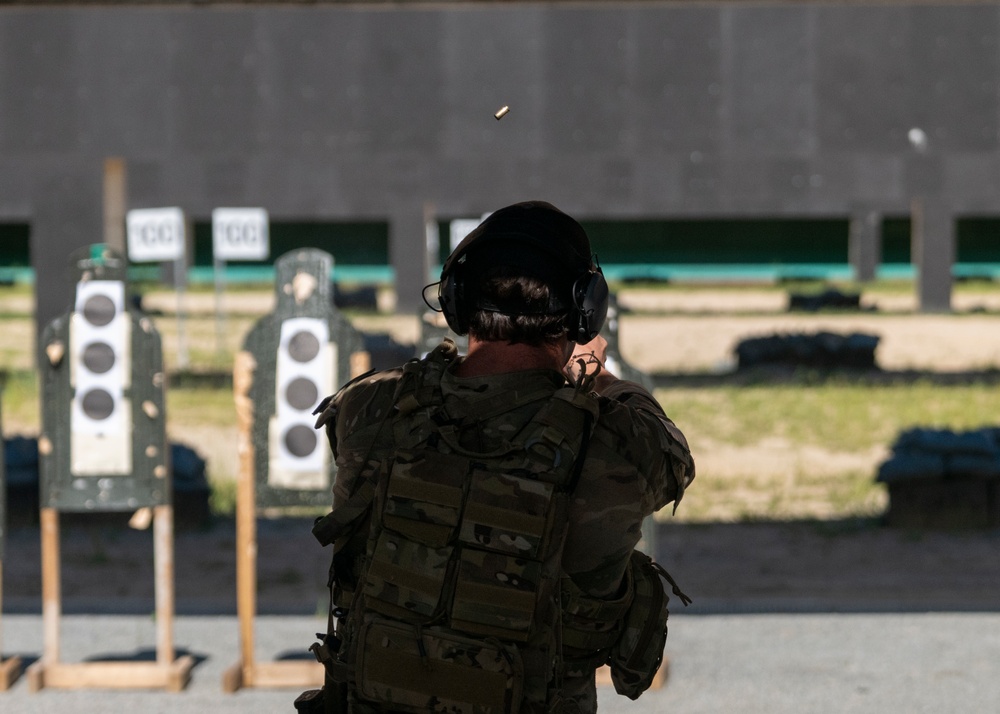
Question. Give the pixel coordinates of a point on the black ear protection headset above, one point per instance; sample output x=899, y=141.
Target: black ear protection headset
x=546, y=233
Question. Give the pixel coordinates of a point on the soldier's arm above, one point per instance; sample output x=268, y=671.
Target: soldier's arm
x=662, y=441
x=352, y=419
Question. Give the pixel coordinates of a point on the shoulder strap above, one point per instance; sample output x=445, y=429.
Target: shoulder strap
x=334, y=524
x=421, y=383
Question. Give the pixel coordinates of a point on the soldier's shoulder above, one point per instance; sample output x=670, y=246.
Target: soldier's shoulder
x=366, y=385
x=364, y=392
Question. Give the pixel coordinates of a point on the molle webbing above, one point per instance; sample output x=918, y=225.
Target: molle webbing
x=461, y=578
x=421, y=670
x=465, y=537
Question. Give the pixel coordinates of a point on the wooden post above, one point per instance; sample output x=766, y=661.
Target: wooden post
x=163, y=567
x=51, y=603
x=10, y=669
x=167, y=673
x=248, y=672
x=115, y=202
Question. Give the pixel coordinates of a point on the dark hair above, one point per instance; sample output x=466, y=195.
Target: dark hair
x=515, y=309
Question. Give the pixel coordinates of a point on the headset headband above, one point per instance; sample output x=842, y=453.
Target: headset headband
x=542, y=241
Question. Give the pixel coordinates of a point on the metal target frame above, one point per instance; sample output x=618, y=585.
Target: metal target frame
x=277, y=471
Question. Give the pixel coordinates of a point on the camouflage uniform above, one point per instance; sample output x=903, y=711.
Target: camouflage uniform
x=636, y=463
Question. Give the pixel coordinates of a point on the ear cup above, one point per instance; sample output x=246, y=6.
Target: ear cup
x=450, y=293
x=590, y=307
x=547, y=245
x=584, y=321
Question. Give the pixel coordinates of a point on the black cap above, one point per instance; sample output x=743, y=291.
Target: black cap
x=531, y=239
x=534, y=236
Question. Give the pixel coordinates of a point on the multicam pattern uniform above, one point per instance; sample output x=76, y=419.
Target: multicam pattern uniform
x=636, y=463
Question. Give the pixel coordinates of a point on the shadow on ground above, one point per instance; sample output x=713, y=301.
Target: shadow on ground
x=856, y=565
x=762, y=566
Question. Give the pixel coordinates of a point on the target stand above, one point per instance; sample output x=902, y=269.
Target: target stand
x=290, y=360
x=167, y=672
x=248, y=672
x=10, y=668
x=103, y=448
x=10, y=672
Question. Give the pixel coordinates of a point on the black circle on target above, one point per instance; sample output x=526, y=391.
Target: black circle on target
x=300, y=440
x=98, y=404
x=302, y=393
x=99, y=310
x=98, y=357
x=303, y=346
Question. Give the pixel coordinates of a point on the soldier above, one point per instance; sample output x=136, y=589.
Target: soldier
x=487, y=506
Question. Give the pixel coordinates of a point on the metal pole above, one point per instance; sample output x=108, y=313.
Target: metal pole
x=220, y=317
x=182, y=351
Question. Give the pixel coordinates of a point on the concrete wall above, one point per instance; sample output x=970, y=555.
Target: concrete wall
x=617, y=110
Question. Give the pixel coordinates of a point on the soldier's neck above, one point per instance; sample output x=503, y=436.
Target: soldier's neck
x=486, y=358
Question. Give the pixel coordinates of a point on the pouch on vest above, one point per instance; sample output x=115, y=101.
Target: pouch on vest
x=636, y=656
x=410, y=669
x=506, y=522
x=412, y=553
x=593, y=625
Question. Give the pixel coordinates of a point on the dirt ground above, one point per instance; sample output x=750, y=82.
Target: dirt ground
x=724, y=567
x=766, y=566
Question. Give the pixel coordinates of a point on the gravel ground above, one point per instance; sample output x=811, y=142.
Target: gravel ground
x=767, y=664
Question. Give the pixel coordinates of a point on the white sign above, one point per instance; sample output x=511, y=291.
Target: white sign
x=459, y=228
x=155, y=234
x=240, y=234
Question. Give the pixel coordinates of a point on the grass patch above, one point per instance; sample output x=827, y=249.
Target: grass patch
x=21, y=406
x=222, y=499
x=839, y=416
x=185, y=405
x=207, y=349
x=755, y=496
x=201, y=406
x=792, y=451
x=807, y=448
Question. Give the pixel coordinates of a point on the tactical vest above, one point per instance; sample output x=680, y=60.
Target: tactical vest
x=457, y=603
